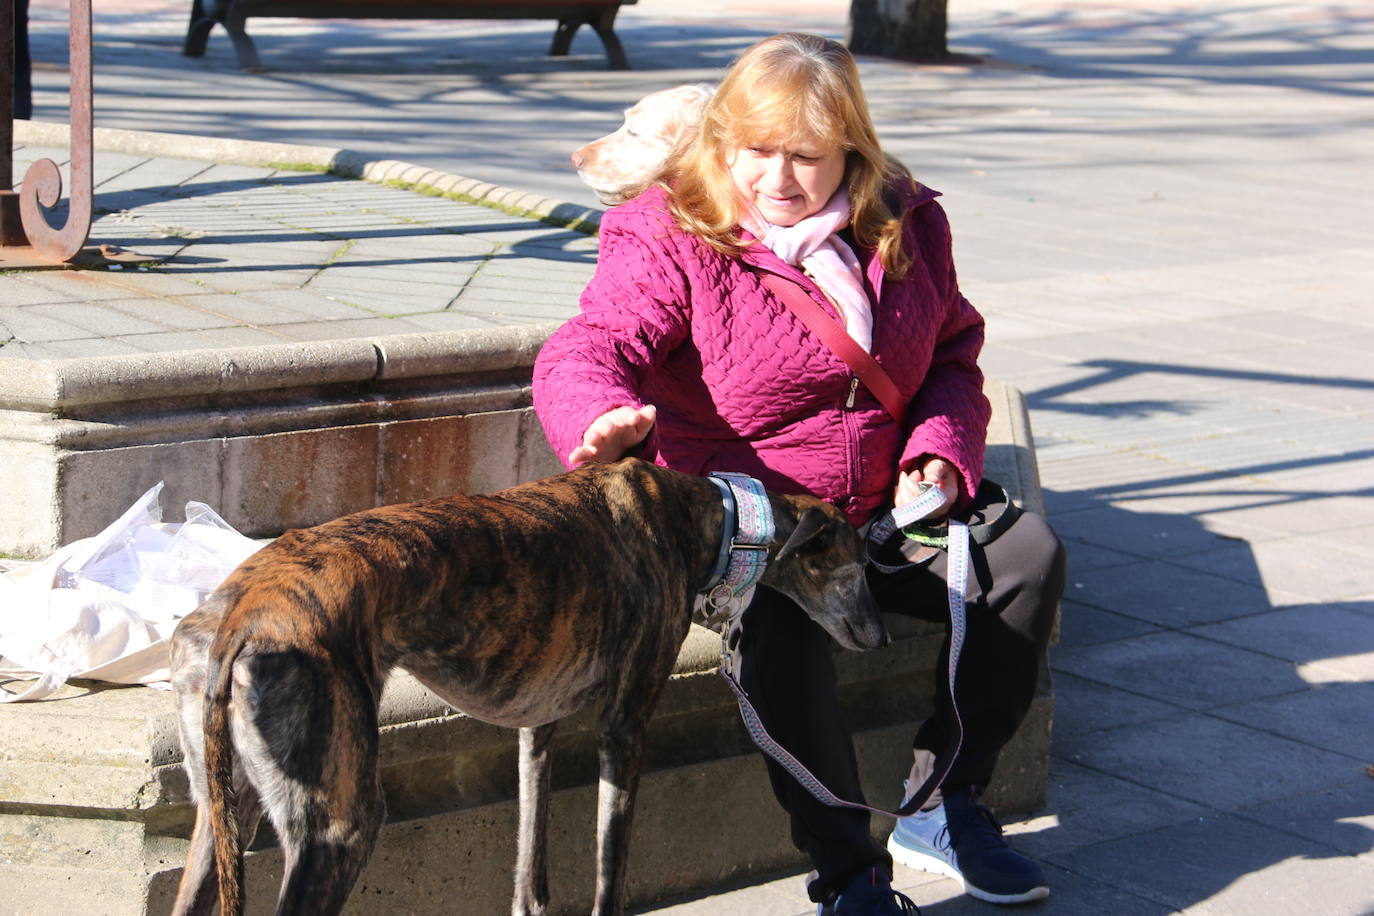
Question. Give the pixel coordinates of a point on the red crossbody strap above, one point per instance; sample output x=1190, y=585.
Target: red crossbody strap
x=874, y=377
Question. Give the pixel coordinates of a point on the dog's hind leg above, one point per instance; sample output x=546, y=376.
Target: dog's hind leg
x=310, y=746
x=532, y=844
x=199, y=887
x=198, y=891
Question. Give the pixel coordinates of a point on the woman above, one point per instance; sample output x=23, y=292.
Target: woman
x=682, y=356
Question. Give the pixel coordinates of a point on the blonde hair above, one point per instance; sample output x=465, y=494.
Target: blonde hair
x=787, y=88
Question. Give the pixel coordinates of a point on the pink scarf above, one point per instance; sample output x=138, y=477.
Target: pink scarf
x=813, y=245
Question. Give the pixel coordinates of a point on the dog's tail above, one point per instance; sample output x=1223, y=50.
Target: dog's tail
x=219, y=773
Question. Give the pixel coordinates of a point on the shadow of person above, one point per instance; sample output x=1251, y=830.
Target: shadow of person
x=1213, y=681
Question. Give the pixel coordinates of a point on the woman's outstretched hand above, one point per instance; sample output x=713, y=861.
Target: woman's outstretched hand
x=930, y=470
x=612, y=434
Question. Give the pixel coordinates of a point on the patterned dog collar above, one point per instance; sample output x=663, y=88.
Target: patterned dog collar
x=748, y=530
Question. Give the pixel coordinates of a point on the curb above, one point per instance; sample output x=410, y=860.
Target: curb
x=327, y=160
x=50, y=385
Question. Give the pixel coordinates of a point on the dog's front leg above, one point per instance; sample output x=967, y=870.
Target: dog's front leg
x=532, y=844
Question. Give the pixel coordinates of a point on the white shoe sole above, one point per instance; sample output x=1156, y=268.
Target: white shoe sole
x=1036, y=893
x=936, y=864
x=931, y=862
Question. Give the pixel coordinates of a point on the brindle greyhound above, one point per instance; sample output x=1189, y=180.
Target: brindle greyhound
x=517, y=608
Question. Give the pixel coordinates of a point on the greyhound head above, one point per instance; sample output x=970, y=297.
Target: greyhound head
x=820, y=566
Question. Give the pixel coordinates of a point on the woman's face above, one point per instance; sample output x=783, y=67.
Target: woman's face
x=786, y=183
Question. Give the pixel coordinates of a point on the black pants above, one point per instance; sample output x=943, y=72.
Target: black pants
x=1014, y=586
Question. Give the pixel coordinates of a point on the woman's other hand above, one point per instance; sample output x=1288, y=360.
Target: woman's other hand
x=929, y=469
x=612, y=434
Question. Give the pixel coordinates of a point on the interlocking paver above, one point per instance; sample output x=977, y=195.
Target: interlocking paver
x=1335, y=718
x=1217, y=865
x=1341, y=815
x=1089, y=708
x=20, y=290
x=1289, y=564
x=1088, y=807
x=1085, y=625
x=1207, y=760
x=1201, y=673
x=1335, y=635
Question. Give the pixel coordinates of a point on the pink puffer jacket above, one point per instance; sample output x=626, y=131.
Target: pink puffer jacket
x=740, y=383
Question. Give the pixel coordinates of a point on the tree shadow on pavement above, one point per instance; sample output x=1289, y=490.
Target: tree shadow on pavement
x=1294, y=45
x=383, y=217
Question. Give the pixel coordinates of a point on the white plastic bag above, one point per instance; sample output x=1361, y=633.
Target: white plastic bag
x=104, y=607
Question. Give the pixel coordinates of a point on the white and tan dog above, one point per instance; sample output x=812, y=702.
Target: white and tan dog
x=620, y=165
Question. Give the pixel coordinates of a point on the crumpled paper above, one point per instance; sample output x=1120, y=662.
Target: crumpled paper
x=103, y=608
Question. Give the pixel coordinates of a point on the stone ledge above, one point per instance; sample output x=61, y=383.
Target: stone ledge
x=275, y=437
x=94, y=799
x=66, y=385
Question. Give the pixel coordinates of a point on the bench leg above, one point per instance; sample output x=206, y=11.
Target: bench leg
x=604, y=26
x=563, y=36
x=225, y=13
x=236, y=24
x=197, y=31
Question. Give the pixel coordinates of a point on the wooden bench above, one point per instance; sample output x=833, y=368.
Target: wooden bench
x=570, y=15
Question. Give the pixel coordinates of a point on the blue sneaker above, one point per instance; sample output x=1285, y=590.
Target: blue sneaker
x=870, y=894
x=962, y=840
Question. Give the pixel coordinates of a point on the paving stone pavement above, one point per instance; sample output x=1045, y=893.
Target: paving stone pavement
x=257, y=256
x=1165, y=211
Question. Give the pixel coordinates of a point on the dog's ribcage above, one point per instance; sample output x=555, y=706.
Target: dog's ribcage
x=477, y=597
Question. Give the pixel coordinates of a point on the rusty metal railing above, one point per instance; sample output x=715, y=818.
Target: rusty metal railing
x=27, y=238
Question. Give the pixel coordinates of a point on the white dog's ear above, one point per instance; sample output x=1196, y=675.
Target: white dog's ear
x=698, y=94
x=692, y=99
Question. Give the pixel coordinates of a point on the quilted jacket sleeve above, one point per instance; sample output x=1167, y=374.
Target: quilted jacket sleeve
x=949, y=414
x=634, y=311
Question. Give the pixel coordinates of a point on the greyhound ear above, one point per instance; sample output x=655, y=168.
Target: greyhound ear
x=812, y=523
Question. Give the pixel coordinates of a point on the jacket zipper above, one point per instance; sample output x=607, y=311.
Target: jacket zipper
x=847, y=417
x=851, y=444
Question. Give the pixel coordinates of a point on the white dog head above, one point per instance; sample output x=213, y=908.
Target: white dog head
x=620, y=165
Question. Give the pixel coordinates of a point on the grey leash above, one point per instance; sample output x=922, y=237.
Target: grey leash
x=931, y=499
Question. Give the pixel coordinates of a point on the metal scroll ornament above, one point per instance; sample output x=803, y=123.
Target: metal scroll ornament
x=41, y=190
